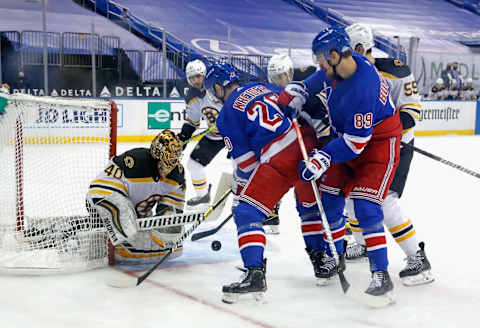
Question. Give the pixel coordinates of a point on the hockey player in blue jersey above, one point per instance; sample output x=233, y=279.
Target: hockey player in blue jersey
x=361, y=161
x=263, y=144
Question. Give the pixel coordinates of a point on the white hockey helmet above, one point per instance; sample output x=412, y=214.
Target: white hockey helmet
x=469, y=80
x=278, y=65
x=194, y=68
x=439, y=81
x=360, y=34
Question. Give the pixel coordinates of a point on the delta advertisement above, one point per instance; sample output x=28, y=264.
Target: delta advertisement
x=141, y=119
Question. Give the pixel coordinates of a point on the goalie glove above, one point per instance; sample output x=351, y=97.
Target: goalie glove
x=293, y=97
x=317, y=164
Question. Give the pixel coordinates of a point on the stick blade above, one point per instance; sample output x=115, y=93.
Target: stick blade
x=125, y=282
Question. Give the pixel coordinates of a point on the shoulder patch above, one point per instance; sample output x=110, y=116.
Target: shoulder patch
x=392, y=68
x=129, y=161
x=137, y=163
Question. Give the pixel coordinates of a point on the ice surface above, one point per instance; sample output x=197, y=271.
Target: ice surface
x=186, y=292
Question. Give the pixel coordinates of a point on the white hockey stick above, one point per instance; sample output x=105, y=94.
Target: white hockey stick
x=353, y=293
x=154, y=222
x=128, y=282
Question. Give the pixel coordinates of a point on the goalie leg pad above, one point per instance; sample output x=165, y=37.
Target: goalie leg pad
x=119, y=216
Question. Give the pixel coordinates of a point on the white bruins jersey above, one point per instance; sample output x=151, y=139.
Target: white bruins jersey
x=134, y=174
x=200, y=104
x=404, y=93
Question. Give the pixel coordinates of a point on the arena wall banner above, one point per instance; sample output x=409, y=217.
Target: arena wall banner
x=447, y=117
x=142, y=119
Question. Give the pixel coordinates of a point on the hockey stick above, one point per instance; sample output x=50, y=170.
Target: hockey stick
x=209, y=129
x=352, y=293
x=441, y=160
x=154, y=222
x=206, y=233
x=172, y=245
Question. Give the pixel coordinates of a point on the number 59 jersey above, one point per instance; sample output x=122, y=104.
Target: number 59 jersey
x=404, y=93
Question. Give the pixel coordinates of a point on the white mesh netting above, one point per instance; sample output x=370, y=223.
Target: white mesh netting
x=50, y=149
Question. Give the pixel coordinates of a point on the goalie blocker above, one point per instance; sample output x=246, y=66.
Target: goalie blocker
x=135, y=185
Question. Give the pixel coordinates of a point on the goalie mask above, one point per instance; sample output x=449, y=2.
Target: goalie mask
x=166, y=148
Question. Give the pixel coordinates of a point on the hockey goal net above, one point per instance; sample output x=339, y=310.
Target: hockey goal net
x=50, y=149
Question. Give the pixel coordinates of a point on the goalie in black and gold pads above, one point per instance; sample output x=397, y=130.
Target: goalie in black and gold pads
x=140, y=182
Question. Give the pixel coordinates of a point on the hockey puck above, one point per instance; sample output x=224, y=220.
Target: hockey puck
x=216, y=245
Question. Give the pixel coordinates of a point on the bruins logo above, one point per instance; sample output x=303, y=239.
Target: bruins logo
x=397, y=62
x=210, y=114
x=129, y=162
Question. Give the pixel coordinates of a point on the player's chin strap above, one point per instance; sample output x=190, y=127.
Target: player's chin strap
x=172, y=245
x=353, y=293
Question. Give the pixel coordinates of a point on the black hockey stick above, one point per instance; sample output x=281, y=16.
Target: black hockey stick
x=441, y=160
x=172, y=246
x=206, y=233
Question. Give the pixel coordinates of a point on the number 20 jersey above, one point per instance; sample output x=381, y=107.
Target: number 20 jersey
x=249, y=120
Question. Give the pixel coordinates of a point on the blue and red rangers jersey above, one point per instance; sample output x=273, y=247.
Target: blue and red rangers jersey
x=355, y=107
x=249, y=120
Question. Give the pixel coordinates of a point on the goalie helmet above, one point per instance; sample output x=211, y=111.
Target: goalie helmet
x=280, y=70
x=166, y=148
x=194, y=68
x=360, y=34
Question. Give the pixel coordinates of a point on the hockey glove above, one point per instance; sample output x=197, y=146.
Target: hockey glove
x=317, y=164
x=294, y=96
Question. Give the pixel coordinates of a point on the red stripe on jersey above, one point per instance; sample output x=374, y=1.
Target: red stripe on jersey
x=359, y=145
x=375, y=241
x=276, y=139
x=255, y=238
x=247, y=162
x=312, y=228
x=338, y=234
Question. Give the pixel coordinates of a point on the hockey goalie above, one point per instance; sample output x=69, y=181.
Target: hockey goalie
x=139, y=183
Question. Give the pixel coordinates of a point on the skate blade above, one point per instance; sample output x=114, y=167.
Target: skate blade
x=424, y=277
x=231, y=298
x=271, y=230
x=362, y=259
x=323, y=281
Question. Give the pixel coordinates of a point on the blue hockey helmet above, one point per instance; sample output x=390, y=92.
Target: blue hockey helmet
x=221, y=74
x=329, y=39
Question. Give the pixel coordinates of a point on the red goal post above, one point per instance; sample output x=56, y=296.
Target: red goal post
x=51, y=149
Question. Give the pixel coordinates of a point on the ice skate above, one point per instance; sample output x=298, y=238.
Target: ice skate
x=356, y=253
x=324, y=266
x=252, y=283
x=417, y=271
x=200, y=200
x=380, y=289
